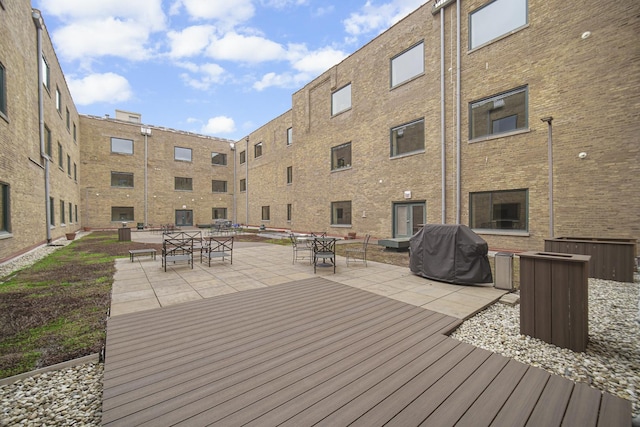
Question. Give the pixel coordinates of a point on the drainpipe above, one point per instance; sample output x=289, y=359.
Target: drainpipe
x=443, y=142
x=246, y=181
x=548, y=121
x=458, y=115
x=37, y=19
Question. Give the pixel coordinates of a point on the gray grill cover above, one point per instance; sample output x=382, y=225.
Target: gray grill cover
x=450, y=253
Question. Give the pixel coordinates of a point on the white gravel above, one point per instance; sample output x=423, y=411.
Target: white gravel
x=73, y=396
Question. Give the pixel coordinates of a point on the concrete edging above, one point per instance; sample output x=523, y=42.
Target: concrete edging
x=69, y=363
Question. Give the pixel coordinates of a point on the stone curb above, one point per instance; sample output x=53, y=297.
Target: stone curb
x=63, y=365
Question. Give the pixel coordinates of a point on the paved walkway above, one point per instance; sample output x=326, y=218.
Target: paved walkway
x=144, y=285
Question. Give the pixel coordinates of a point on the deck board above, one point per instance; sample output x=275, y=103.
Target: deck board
x=318, y=352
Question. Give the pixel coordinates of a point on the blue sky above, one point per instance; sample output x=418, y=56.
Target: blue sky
x=215, y=67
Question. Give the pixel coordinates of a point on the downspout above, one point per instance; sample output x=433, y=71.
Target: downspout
x=37, y=19
x=458, y=115
x=548, y=121
x=246, y=181
x=443, y=143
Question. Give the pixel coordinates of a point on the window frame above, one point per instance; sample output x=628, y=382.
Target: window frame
x=335, y=160
x=70, y=213
x=497, y=101
x=497, y=223
x=243, y=185
x=213, y=186
x=60, y=156
x=257, y=150
x=58, y=100
x=48, y=142
x=495, y=23
x=395, y=77
x=289, y=136
x=187, y=181
x=63, y=209
x=266, y=213
x=395, y=134
x=52, y=212
x=117, y=149
x=289, y=212
x=289, y=175
x=337, y=214
x=243, y=156
x=213, y=213
x=69, y=165
x=338, y=98
x=3, y=92
x=128, y=211
x=5, y=208
x=115, y=174
x=183, y=150
x=222, y=156
x=46, y=74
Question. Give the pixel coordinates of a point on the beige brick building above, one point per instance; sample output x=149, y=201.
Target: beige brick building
x=438, y=119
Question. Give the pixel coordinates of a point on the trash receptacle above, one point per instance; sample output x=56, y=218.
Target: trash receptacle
x=503, y=266
x=124, y=234
x=554, y=305
x=140, y=226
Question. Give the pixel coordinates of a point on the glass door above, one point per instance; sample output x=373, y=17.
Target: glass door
x=408, y=218
x=184, y=218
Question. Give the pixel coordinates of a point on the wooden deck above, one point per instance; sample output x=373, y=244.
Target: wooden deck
x=318, y=352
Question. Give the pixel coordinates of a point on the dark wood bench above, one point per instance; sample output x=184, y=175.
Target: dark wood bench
x=138, y=252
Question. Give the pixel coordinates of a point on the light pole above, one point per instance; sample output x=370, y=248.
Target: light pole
x=548, y=121
x=146, y=131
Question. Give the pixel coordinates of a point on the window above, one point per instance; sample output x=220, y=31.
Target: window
x=52, y=212
x=498, y=114
x=68, y=119
x=499, y=210
x=219, y=186
x=341, y=213
x=407, y=65
x=48, y=146
x=75, y=211
x=69, y=165
x=243, y=184
x=219, y=213
x=243, y=157
x=289, y=209
x=5, y=209
x=341, y=156
x=58, y=100
x=183, y=184
x=496, y=19
x=46, y=78
x=407, y=138
x=218, y=159
x=341, y=100
x=62, y=211
x=289, y=174
x=3, y=90
x=60, y=156
x=75, y=172
x=257, y=150
x=119, y=213
x=182, y=154
x=266, y=214
x=122, y=179
x=70, y=213
x=289, y=136
x=121, y=146
x=75, y=133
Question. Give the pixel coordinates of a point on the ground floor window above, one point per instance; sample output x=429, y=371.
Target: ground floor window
x=52, y=212
x=341, y=213
x=5, y=212
x=289, y=209
x=499, y=210
x=219, y=213
x=266, y=213
x=70, y=212
x=122, y=213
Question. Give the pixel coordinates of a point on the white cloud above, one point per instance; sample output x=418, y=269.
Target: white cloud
x=147, y=12
x=108, y=87
x=252, y=49
x=280, y=4
x=316, y=62
x=190, y=41
x=227, y=12
x=218, y=125
x=377, y=18
x=209, y=74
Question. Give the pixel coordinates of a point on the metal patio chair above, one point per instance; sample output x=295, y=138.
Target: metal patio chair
x=358, y=254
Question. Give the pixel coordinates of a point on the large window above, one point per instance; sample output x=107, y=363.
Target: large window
x=341, y=100
x=408, y=138
x=257, y=150
x=499, y=210
x=498, y=114
x=266, y=213
x=496, y=19
x=121, y=146
x=122, y=179
x=243, y=184
x=183, y=184
x=219, y=213
x=407, y=65
x=3, y=90
x=289, y=174
x=341, y=156
x=341, y=213
x=218, y=159
x=289, y=136
x=5, y=209
x=122, y=213
x=182, y=154
x=218, y=186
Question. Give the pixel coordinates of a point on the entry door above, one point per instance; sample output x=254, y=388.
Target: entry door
x=408, y=218
x=184, y=218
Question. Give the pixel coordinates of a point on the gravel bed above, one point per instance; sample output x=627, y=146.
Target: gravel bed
x=73, y=396
x=612, y=360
